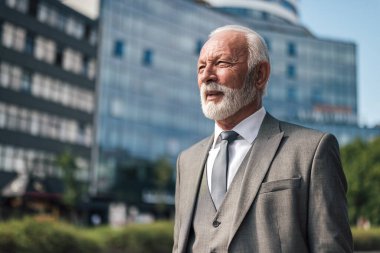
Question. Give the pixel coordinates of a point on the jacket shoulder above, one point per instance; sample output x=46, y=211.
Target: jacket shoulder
x=197, y=146
x=306, y=136
x=294, y=129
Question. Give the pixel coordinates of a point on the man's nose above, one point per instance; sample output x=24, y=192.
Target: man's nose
x=208, y=75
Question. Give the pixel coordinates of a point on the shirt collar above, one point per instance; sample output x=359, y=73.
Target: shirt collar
x=247, y=129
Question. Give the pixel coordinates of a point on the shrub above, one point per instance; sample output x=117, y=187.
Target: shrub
x=32, y=236
x=366, y=239
x=142, y=238
x=49, y=236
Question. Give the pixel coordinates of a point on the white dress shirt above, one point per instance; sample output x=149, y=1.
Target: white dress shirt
x=247, y=130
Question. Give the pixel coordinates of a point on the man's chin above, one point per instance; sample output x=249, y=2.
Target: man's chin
x=214, y=113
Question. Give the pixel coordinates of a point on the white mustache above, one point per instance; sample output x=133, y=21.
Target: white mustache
x=214, y=86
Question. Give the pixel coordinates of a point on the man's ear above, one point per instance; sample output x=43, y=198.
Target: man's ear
x=262, y=73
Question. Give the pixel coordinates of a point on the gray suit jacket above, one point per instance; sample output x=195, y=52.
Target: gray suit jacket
x=292, y=197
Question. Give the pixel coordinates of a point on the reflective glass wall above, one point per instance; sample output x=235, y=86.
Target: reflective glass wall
x=313, y=80
x=149, y=102
x=148, y=97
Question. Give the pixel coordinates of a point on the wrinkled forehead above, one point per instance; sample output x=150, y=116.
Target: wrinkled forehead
x=232, y=42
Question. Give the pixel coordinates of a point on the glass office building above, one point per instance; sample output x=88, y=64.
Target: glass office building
x=313, y=80
x=47, y=94
x=148, y=97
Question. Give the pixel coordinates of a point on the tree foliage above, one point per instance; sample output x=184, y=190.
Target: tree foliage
x=72, y=192
x=135, y=177
x=163, y=172
x=361, y=163
x=131, y=178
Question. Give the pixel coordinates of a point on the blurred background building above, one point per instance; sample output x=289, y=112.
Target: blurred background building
x=148, y=99
x=145, y=108
x=313, y=80
x=47, y=96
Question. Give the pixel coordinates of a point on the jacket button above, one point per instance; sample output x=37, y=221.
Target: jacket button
x=215, y=223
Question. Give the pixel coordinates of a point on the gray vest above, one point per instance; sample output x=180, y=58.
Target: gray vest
x=211, y=229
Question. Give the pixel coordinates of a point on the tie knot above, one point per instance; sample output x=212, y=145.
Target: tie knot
x=229, y=136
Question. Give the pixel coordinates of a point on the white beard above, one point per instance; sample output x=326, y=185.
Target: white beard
x=232, y=101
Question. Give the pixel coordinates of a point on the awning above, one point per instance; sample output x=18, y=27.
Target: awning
x=23, y=184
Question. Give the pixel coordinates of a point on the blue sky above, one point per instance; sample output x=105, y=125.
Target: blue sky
x=357, y=21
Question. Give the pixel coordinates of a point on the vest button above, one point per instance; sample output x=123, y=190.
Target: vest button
x=215, y=223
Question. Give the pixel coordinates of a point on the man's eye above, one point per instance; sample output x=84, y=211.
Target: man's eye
x=200, y=69
x=223, y=64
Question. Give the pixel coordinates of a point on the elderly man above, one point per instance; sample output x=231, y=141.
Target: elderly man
x=257, y=184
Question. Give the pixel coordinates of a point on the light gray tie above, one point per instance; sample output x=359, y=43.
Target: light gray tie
x=220, y=169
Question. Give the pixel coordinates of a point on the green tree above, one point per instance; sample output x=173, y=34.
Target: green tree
x=72, y=187
x=131, y=178
x=163, y=171
x=361, y=162
x=136, y=177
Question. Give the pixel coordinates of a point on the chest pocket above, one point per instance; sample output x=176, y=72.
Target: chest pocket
x=280, y=185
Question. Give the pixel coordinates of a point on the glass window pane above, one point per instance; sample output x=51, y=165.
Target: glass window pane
x=7, y=35
x=118, y=49
x=5, y=74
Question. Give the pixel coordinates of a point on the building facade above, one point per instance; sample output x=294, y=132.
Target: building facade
x=47, y=90
x=148, y=97
x=313, y=80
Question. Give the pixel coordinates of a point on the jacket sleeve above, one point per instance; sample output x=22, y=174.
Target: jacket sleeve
x=328, y=224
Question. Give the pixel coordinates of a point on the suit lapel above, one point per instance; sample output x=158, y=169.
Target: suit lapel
x=191, y=179
x=260, y=158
